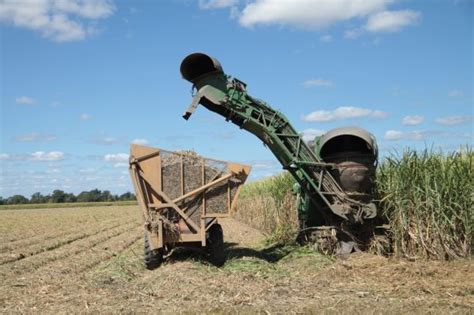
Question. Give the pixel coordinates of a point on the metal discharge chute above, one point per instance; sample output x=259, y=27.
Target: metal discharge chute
x=324, y=201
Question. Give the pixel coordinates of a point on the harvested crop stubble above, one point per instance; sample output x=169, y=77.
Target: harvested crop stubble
x=35, y=222
x=189, y=166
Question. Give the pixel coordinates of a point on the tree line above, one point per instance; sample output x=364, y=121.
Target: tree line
x=59, y=196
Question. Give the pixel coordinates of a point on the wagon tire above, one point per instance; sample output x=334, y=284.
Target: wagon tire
x=215, y=245
x=152, y=258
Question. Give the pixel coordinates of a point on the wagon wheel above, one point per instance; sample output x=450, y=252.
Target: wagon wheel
x=215, y=245
x=152, y=257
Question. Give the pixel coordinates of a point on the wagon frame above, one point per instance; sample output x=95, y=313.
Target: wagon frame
x=146, y=171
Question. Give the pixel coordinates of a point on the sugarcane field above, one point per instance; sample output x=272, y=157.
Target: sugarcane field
x=236, y=157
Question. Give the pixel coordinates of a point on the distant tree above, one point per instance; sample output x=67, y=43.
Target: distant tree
x=95, y=195
x=90, y=196
x=70, y=198
x=2, y=201
x=37, y=197
x=58, y=196
x=106, y=196
x=84, y=197
x=17, y=199
x=47, y=198
x=127, y=196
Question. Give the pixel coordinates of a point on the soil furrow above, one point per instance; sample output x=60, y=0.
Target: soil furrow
x=92, y=255
x=65, y=240
x=32, y=222
x=44, y=237
x=104, y=255
x=44, y=258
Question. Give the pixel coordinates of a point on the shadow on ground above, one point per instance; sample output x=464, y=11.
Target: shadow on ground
x=270, y=254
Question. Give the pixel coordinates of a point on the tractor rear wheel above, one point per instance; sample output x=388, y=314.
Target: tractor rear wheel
x=152, y=257
x=215, y=245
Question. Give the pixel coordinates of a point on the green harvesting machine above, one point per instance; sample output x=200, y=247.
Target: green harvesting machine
x=335, y=173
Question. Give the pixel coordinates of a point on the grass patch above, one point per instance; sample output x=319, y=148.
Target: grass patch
x=277, y=261
x=258, y=267
x=126, y=266
x=29, y=206
x=304, y=251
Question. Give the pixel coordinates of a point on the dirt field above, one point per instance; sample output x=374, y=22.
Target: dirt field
x=89, y=260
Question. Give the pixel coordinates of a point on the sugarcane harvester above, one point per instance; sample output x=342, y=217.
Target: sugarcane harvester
x=336, y=208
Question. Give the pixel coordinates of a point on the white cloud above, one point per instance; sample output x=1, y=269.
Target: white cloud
x=317, y=82
x=53, y=170
x=23, y=100
x=391, y=21
x=121, y=164
x=28, y=137
x=55, y=104
x=85, y=116
x=326, y=38
x=234, y=13
x=4, y=156
x=312, y=14
x=412, y=120
x=87, y=170
x=343, y=112
x=464, y=135
x=46, y=156
x=310, y=134
x=216, y=4
x=392, y=135
x=105, y=140
x=59, y=20
x=263, y=165
x=140, y=141
x=417, y=135
x=263, y=168
x=353, y=33
x=35, y=156
x=34, y=136
x=453, y=120
x=91, y=9
x=455, y=93
x=118, y=157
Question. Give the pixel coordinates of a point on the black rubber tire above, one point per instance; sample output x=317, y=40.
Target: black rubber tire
x=151, y=258
x=215, y=245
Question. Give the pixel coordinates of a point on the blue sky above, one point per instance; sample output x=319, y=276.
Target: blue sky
x=82, y=79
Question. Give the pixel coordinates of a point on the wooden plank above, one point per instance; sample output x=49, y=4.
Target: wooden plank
x=200, y=189
x=173, y=205
x=139, y=192
x=216, y=215
x=181, y=174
